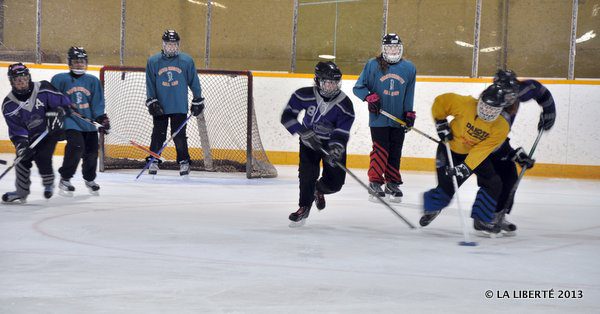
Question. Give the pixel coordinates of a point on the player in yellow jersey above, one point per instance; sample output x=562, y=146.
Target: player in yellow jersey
x=473, y=134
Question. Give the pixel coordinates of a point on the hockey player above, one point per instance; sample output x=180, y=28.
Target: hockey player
x=387, y=82
x=29, y=109
x=325, y=128
x=168, y=76
x=473, y=134
x=504, y=158
x=86, y=95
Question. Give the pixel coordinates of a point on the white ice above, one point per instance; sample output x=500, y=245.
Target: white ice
x=219, y=243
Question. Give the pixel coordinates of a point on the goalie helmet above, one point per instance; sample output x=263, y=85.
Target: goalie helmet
x=77, y=59
x=391, y=48
x=20, y=79
x=170, y=43
x=493, y=99
x=328, y=79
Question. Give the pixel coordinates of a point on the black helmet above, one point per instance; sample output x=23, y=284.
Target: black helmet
x=170, y=35
x=507, y=77
x=19, y=69
x=76, y=53
x=392, y=48
x=493, y=99
x=328, y=71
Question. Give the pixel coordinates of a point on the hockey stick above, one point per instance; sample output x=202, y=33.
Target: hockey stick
x=135, y=144
x=511, y=196
x=402, y=123
x=467, y=241
x=164, y=145
x=19, y=158
x=339, y=164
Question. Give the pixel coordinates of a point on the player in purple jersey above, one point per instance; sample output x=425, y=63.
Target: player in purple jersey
x=325, y=128
x=504, y=157
x=30, y=109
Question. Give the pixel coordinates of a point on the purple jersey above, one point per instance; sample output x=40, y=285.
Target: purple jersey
x=330, y=120
x=531, y=89
x=27, y=118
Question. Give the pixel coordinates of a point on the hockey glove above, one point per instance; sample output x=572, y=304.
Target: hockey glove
x=443, y=130
x=409, y=118
x=55, y=119
x=23, y=149
x=461, y=171
x=197, y=106
x=547, y=119
x=309, y=138
x=520, y=156
x=374, y=103
x=335, y=151
x=154, y=107
x=105, y=122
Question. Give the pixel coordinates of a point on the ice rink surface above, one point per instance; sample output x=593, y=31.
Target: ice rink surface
x=219, y=243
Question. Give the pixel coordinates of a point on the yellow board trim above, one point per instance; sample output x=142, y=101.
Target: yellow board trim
x=356, y=161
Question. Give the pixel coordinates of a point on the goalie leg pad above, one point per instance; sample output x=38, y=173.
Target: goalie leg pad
x=484, y=207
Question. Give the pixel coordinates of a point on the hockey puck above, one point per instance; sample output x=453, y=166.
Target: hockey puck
x=465, y=243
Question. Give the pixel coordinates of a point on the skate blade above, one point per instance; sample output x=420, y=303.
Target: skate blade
x=395, y=199
x=509, y=233
x=485, y=234
x=17, y=202
x=374, y=199
x=95, y=193
x=65, y=193
x=297, y=224
x=185, y=177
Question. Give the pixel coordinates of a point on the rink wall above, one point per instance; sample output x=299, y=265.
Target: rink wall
x=570, y=149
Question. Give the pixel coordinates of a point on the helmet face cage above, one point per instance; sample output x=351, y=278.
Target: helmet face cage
x=20, y=78
x=328, y=79
x=170, y=43
x=78, y=60
x=493, y=100
x=392, y=48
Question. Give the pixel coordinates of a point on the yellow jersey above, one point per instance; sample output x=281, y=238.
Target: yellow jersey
x=471, y=135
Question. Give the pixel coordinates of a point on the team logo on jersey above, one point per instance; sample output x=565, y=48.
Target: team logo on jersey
x=38, y=104
x=171, y=81
x=393, y=78
x=81, y=89
x=477, y=132
x=311, y=110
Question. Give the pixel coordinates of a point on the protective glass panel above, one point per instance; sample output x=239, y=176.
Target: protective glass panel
x=251, y=35
x=588, y=40
x=147, y=20
x=17, y=33
x=348, y=30
x=437, y=34
x=77, y=23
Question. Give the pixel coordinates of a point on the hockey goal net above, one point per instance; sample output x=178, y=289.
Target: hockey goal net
x=224, y=138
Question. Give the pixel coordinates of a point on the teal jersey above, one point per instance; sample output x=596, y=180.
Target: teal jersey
x=168, y=79
x=396, y=89
x=86, y=94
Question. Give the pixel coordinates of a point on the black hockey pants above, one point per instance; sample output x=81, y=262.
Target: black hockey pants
x=159, y=134
x=308, y=172
x=80, y=145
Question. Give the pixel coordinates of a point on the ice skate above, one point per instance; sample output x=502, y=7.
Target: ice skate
x=13, y=198
x=93, y=187
x=298, y=218
x=48, y=191
x=184, y=168
x=486, y=229
x=319, y=200
x=392, y=190
x=507, y=228
x=428, y=217
x=153, y=169
x=65, y=188
x=375, y=189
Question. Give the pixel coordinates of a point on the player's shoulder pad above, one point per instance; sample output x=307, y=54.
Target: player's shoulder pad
x=305, y=94
x=185, y=57
x=5, y=102
x=346, y=104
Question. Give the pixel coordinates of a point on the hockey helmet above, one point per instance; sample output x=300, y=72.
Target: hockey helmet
x=170, y=43
x=77, y=59
x=392, y=48
x=493, y=99
x=20, y=79
x=328, y=79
